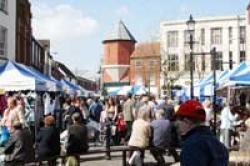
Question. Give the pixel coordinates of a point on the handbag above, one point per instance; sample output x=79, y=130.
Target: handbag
x=4, y=135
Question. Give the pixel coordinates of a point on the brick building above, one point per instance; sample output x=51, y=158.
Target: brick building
x=23, y=32
x=118, y=47
x=145, y=65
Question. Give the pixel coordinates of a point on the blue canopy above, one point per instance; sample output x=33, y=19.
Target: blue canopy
x=70, y=87
x=207, y=88
x=236, y=77
x=114, y=92
x=51, y=85
x=242, y=76
x=138, y=90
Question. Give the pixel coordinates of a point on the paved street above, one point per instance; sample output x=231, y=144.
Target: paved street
x=99, y=160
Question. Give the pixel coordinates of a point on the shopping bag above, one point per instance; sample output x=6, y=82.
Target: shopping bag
x=4, y=135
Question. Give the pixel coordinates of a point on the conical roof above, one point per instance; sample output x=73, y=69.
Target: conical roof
x=120, y=32
x=248, y=6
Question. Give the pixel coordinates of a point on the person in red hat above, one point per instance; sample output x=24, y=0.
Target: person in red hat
x=200, y=147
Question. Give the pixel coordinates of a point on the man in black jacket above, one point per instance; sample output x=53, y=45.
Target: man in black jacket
x=77, y=142
x=77, y=136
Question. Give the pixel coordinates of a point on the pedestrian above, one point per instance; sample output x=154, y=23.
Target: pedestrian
x=169, y=109
x=111, y=109
x=48, y=141
x=121, y=129
x=141, y=133
x=128, y=109
x=74, y=107
x=228, y=118
x=162, y=138
x=12, y=114
x=77, y=141
x=209, y=115
x=146, y=107
x=84, y=110
x=19, y=149
x=200, y=146
x=161, y=132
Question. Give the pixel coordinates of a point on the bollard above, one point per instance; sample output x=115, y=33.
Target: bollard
x=108, y=138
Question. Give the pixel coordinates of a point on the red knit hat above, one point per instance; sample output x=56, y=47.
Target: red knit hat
x=192, y=109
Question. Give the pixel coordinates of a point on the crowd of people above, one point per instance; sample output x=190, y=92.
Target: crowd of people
x=67, y=124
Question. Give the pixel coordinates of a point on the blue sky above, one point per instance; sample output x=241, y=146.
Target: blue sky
x=76, y=28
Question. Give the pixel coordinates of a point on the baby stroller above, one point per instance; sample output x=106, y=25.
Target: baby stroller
x=103, y=131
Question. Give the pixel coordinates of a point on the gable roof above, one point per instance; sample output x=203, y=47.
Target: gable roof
x=148, y=49
x=120, y=32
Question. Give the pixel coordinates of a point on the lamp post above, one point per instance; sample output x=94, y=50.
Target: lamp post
x=191, y=27
x=213, y=54
x=149, y=79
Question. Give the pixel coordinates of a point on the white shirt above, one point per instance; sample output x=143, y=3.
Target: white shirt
x=49, y=105
x=209, y=116
x=227, y=118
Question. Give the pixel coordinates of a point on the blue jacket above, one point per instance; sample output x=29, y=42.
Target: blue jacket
x=202, y=148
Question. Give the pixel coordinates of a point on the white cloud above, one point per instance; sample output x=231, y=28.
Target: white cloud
x=62, y=22
x=122, y=11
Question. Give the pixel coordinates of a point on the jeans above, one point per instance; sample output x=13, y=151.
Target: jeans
x=225, y=137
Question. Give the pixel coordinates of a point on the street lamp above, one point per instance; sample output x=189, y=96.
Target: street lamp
x=213, y=54
x=191, y=27
x=149, y=80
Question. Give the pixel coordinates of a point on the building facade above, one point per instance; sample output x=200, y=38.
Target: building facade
x=226, y=34
x=145, y=66
x=87, y=84
x=37, y=56
x=47, y=58
x=7, y=29
x=118, y=47
x=23, y=32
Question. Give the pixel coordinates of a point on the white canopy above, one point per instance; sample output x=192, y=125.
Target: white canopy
x=15, y=78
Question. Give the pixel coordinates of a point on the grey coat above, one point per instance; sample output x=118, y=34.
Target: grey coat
x=20, y=147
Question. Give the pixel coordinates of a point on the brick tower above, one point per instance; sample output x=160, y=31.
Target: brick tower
x=118, y=47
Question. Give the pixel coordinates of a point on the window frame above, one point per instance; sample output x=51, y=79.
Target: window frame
x=230, y=34
x=218, y=61
x=4, y=6
x=242, y=56
x=3, y=41
x=172, y=39
x=173, y=62
x=202, y=37
x=242, y=34
x=217, y=36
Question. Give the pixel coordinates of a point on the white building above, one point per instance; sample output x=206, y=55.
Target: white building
x=227, y=34
x=7, y=28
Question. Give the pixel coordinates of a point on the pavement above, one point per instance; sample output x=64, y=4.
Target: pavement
x=116, y=160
